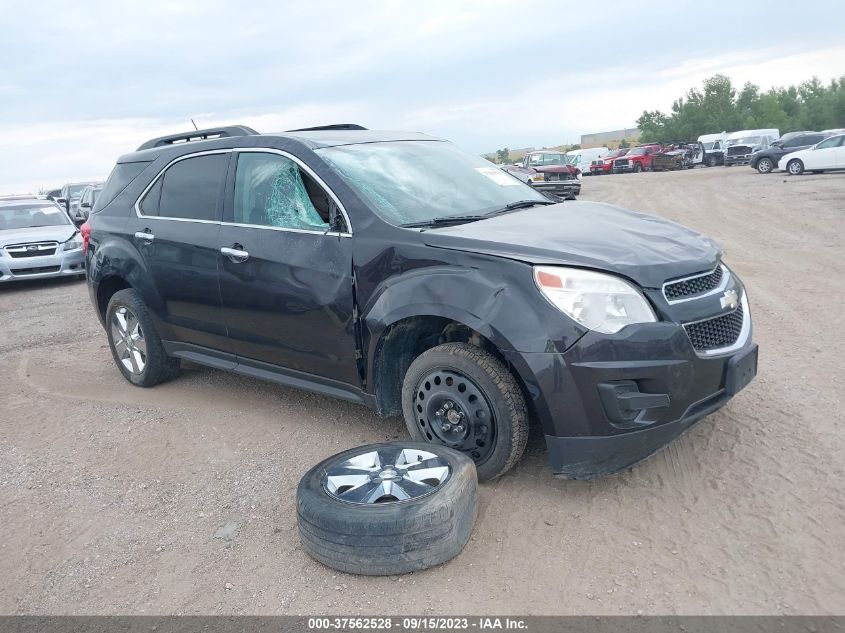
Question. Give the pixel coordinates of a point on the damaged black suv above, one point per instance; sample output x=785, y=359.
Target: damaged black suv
x=394, y=270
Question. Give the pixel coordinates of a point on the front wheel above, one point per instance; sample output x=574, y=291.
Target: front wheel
x=711, y=161
x=765, y=165
x=795, y=167
x=463, y=397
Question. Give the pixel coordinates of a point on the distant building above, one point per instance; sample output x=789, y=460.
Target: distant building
x=610, y=139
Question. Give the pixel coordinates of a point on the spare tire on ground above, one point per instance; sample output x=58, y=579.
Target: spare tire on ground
x=386, y=509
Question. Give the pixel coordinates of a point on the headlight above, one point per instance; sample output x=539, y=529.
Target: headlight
x=73, y=243
x=600, y=302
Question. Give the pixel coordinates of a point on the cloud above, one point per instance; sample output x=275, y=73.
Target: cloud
x=83, y=83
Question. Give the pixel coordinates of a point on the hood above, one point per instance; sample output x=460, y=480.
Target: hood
x=556, y=169
x=61, y=233
x=794, y=153
x=647, y=249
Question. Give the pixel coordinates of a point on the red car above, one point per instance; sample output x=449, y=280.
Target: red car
x=604, y=165
x=637, y=159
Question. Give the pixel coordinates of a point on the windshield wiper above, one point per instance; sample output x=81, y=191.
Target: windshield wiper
x=520, y=204
x=462, y=219
x=444, y=221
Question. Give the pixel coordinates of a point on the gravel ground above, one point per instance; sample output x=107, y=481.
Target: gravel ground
x=180, y=499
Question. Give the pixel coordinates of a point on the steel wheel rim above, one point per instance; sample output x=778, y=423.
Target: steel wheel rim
x=128, y=340
x=451, y=409
x=387, y=474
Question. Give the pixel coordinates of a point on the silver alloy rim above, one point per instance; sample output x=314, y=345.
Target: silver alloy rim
x=128, y=340
x=793, y=167
x=766, y=165
x=388, y=474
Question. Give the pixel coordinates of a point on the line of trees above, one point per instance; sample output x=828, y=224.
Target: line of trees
x=718, y=107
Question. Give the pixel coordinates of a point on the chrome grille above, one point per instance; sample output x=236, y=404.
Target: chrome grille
x=34, y=249
x=693, y=286
x=718, y=332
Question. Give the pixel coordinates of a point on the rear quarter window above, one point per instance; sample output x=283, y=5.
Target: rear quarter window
x=119, y=178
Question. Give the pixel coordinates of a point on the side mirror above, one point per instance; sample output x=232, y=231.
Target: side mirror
x=85, y=205
x=61, y=200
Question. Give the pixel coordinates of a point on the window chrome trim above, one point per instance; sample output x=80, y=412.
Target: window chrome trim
x=741, y=340
x=160, y=174
x=317, y=179
x=726, y=275
x=264, y=150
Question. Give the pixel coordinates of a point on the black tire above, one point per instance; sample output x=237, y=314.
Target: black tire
x=158, y=366
x=496, y=441
x=711, y=161
x=381, y=539
x=795, y=167
x=765, y=165
x=637, y=168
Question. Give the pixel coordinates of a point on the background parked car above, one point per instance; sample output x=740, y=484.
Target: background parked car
x=829, y=154
x=636, y=160
x=87, y=200
x=604, y=165
x=553, y=173
x=583, y=158
x=53, y=194
x=37, y=240
x=714, y=148
x=766, y=160
x=69, y=198
x=679, y=155
x=741, y=145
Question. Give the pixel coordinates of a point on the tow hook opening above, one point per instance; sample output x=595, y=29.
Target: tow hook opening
x=626, y=406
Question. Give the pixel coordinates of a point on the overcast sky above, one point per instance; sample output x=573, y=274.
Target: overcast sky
x=81, y=83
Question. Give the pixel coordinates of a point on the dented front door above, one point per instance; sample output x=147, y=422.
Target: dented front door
x=288, y=299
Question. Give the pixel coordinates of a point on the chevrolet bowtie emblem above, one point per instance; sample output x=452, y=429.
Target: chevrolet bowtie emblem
x=729, y=300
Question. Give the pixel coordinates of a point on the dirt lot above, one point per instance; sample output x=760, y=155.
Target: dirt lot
x=110, y=496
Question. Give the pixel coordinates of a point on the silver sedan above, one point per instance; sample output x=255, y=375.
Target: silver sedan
x=38, y=240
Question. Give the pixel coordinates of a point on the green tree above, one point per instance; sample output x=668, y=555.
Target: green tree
x=503, y=156
x=718, y=107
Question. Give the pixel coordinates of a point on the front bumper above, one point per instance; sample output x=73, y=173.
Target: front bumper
x=742, y=159
x=577, y=394
x=626, y=167
x=562, y=188
x=62, y=264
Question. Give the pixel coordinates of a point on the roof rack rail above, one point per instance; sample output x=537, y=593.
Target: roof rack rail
x=198, y=135
x=333, y=126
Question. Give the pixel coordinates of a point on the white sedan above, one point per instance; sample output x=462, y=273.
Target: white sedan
x=829, y=154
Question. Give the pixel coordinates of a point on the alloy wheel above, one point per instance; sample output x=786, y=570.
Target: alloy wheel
x=388, y=474
x=128, y=340
x=764, y=166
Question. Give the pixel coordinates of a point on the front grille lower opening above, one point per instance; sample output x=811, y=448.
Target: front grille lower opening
x=716, y=333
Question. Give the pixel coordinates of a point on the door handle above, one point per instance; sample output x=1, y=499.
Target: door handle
x=145, y=235
x=235, y=253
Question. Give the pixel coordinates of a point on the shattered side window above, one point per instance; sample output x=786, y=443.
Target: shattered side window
x=270, y=191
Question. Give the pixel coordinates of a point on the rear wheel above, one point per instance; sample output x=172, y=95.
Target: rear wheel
x=463, y=397
x=795, y=167
x=765, y=165
x=135, y=344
